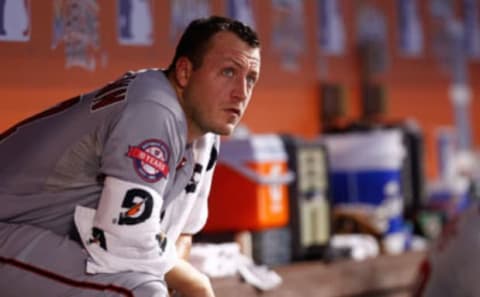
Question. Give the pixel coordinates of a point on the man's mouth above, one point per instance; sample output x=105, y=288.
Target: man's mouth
x=235, y=111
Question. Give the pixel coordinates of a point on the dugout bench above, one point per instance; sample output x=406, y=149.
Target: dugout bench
x=385, y=275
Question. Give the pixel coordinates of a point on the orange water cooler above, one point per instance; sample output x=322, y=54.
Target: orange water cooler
x=249, y=189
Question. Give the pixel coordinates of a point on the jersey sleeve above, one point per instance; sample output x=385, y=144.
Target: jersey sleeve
x=199, y=213
x=143, y=146
x=139, y=161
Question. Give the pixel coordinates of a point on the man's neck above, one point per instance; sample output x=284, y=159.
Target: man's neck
x=193, y=132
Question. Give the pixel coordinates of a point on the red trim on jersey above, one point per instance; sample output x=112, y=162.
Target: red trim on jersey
x=423, y=277
x=65, y=280
x=182, y=163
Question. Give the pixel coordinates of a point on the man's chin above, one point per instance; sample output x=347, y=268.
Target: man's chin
x=225, y=130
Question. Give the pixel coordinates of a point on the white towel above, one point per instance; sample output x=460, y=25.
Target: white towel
x=127, y=240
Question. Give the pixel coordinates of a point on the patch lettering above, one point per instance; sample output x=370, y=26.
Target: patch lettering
x=150, y=159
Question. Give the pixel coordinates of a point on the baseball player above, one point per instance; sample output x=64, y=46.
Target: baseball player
x=96, y=191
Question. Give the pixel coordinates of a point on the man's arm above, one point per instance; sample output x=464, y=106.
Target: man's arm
x=123, y=232
x=183, y=245
x=183, y=277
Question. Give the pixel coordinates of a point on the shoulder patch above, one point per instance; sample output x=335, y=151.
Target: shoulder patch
x=150, y=159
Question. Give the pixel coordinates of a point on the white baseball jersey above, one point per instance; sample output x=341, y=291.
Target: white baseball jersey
x=113, y=165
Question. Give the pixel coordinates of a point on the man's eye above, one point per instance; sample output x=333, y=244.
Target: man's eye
x=228, y=72
x=251, y=80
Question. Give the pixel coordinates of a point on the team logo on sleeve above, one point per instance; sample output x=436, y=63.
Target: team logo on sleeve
x=139, y=206
x=150, y=159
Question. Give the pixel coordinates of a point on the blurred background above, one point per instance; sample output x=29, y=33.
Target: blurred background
x=402, y=50
x=365, y=119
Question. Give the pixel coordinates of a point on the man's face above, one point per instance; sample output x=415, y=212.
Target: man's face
x=218, y=92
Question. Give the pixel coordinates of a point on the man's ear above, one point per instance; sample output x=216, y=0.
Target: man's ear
x=183, y=71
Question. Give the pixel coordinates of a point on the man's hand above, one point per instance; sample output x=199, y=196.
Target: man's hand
x=188, y=281
x=184, y=278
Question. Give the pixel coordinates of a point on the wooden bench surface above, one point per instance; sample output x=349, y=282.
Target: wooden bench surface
x=384, y=275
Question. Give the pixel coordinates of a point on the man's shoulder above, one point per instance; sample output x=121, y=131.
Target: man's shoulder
x=152, y=87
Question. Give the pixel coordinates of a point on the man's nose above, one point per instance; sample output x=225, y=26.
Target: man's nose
x=240, y=92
